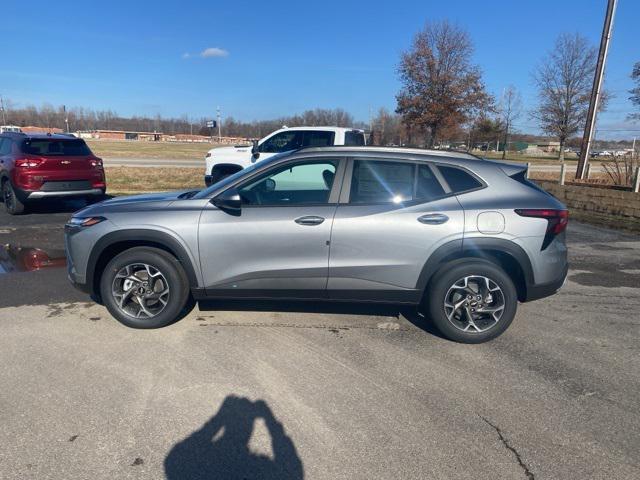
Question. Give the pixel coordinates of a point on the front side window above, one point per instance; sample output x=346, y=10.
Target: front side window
x=382, y=182
x=354, y=139
x=294, y=184
x=55, y=147
x=282, y=142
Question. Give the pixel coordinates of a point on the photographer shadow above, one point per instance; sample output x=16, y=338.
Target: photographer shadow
x=220, y=449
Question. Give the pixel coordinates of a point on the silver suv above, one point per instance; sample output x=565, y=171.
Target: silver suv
x=463, y=238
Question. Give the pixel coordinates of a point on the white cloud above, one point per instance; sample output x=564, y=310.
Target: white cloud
x=211, y=52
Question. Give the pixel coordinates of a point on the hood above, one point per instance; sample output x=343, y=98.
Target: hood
x=233, y=149
x=117, y=203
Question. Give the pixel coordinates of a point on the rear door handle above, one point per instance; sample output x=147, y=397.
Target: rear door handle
x=433, y=219
x=309, y=220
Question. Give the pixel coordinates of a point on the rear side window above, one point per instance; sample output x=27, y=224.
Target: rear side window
x=382, y=182
x=427, y=186
x=458, y=179
x=318, y=139
x=5, y=146
x=55, y=147
x=393, y=182
x=354, y=139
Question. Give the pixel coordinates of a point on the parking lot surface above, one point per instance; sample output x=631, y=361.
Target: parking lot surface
x=248, y=390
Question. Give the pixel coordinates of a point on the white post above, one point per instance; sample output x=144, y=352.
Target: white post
x=528, y=168
x=563, y=172
x=636, y=183
x=588, y=172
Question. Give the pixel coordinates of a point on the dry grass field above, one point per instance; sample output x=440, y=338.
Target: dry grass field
x=134, y=149
x=131, y=180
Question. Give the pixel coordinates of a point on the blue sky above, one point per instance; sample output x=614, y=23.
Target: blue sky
x=271, y=59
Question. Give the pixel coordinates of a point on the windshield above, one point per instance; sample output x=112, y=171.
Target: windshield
x=75, y=147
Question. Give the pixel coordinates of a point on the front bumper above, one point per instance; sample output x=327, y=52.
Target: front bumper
x=542, y=290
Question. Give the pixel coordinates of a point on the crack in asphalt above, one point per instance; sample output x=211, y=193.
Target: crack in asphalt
x=509, y=447
x=383, y=326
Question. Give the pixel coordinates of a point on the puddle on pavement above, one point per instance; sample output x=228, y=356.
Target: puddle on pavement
x=16, y=259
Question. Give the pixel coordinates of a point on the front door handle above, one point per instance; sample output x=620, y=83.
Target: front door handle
x=433, y=219
x=310, y=220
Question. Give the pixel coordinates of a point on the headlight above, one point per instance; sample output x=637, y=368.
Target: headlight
x=82, y=222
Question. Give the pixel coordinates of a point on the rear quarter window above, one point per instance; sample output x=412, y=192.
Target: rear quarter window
x=354, y=139
x=458, y=179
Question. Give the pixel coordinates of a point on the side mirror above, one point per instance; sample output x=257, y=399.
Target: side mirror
x=255, y=154
x=228, y=201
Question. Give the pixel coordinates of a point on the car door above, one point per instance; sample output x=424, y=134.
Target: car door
x=278, y=244
x=392, y=215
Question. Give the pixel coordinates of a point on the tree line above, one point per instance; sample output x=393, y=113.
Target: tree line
x=443, y=98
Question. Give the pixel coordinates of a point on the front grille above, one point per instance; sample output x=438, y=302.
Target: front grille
x=65, y=186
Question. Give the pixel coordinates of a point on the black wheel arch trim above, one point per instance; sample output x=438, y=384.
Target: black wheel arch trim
x=140, y=236
x=475, y=248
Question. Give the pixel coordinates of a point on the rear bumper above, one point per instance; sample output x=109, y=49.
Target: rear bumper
x=542, y=290
x=69, y=193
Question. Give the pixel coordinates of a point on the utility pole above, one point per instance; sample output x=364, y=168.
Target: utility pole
x=219, y=126
x=596, y=91
x=66, y=117
x=4, y=119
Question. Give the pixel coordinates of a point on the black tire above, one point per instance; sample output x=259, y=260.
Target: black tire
x=179, y=300
x=442, y=286
x=12, y=203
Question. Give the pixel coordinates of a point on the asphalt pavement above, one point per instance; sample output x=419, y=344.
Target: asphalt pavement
x=259, y=390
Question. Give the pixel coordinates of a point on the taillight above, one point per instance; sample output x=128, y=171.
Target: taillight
x=557, y=221
x=96, y=162
x=28, y=162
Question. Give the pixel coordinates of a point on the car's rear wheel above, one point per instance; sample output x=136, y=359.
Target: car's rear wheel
x=12, y=203
x=471, y=302
x=145, y=287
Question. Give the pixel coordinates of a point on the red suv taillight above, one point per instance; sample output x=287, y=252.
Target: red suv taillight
x=557, y=221
x=96, y=162
x=28, y=162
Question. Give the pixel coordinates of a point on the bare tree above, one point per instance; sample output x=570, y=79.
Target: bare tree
x=441, y=87
x=564, y=79
x=635, y=91
x=510, y=110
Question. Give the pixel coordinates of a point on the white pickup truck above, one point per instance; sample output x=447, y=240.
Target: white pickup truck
x=225, y=161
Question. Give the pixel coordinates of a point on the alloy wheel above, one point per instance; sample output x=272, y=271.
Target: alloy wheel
x=140, y=290
x=474, y=304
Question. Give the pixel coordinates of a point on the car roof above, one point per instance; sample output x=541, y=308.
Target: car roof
x=395, y=150
x=42, y=136
x=327, y=128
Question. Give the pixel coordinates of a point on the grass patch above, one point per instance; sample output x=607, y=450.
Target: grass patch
x=125, y=180
x=138, y=149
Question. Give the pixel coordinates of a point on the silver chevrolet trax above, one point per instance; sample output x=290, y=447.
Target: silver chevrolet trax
x=462, y=238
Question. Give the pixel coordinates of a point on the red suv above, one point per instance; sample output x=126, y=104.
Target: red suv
x=44, y=166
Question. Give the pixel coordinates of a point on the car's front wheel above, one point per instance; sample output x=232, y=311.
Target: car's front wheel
x=12, y=203
x=145, y=287
x=471, y=302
